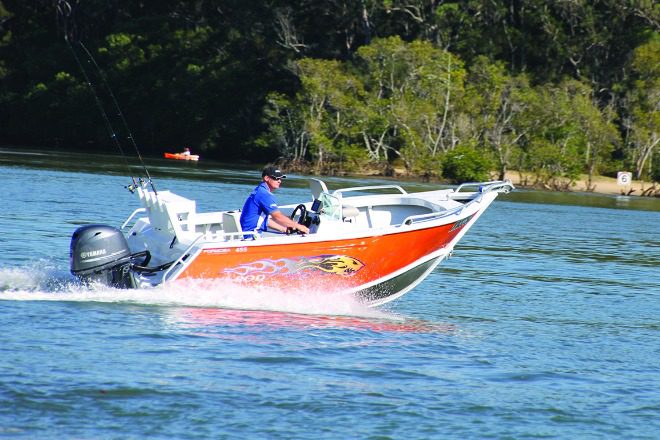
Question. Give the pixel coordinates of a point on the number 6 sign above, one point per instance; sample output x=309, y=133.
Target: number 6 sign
x=623, y=178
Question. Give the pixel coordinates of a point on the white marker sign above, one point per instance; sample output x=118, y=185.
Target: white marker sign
x=623, y=178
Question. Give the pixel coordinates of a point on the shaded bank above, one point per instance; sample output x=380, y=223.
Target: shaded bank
x=247, y=174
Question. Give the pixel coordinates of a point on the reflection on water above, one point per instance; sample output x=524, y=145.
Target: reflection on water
x=213, y=317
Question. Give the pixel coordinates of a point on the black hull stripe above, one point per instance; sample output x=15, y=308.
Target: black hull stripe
x=393, y=286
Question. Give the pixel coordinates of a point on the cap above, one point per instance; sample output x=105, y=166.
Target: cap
x=273, y=172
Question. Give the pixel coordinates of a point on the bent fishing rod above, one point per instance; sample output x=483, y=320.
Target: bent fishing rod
x=65, y=15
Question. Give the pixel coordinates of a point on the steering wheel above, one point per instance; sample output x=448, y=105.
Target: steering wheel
x=303, y=218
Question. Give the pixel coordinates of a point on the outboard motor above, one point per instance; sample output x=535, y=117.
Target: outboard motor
x=100, y=253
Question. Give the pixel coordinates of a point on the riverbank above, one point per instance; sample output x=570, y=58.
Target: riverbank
x=600, y=184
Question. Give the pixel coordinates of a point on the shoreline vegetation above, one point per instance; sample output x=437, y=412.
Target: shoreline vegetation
x=449, y=91
x=599, y=185
x=521, y=180
x=524, y=180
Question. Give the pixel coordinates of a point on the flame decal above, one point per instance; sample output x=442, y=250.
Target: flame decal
x=341, y=265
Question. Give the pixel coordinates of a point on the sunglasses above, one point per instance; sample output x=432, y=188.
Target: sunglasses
x=279, y=179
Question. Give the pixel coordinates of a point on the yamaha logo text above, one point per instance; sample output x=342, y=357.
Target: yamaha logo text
x=95, y=253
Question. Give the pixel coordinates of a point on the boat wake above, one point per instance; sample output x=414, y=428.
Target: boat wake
x=216, y=303
x=50, y=284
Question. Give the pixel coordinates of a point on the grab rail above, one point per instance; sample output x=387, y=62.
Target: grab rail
x=432, y=216
x=487, y=186
x=180, y=259
x=484, y=187
x=229, y=236
x=130, y=217
x=341, y=191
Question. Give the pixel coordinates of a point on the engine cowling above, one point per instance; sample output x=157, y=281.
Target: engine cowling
x=100, y=253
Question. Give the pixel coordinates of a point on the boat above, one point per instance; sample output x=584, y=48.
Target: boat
x=181, y=156
x=372, y=242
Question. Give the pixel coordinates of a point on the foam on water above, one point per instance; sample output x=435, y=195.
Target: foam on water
x=48, y=284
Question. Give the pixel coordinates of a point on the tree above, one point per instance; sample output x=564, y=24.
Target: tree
x=569, y=134
x=552, y=150
x=319, y=123
x=199, y=72
x=286, y=129
x=498, y=101
x=642, y=106
x=417, y=87
x=466, y=164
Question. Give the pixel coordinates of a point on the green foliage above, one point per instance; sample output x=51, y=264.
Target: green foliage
x=466, y=164
x=124, y=50
x=654, y=174
x=498, y=106
x=285, y=130
x=415, y=88
x=37, y=90
x=319, y=121
x=351, y=158
x=550, y=162
x=567, y=133
x=643, y=109
x=4, y=71
x=553, y=88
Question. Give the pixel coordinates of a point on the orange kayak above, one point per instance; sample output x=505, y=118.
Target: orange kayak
x=181, y=156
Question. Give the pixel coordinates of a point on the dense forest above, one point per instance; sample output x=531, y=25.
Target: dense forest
x=442, y=89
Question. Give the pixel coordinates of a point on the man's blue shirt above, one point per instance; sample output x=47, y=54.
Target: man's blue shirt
x=260, y=202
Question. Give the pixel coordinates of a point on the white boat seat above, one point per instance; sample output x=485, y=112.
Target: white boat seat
x=231, y=225
x=169, y=212
x=349, y=212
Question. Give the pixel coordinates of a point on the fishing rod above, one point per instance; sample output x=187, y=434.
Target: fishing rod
x=66, y=12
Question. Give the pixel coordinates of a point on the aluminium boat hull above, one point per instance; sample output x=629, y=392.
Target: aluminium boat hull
x=374, y=267
x=375, y=247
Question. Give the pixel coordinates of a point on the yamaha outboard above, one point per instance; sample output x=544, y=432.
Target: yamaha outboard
x=100, y=253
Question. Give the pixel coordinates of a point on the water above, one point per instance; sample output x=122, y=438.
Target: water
x=544, y=324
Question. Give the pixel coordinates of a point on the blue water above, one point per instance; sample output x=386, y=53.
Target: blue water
x=545, y=323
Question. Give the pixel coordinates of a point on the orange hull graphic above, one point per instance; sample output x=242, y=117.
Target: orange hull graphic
x=330, y=265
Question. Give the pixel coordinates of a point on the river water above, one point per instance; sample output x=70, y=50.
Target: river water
x=545, y=323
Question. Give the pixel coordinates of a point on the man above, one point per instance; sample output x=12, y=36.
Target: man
x=260, y=210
